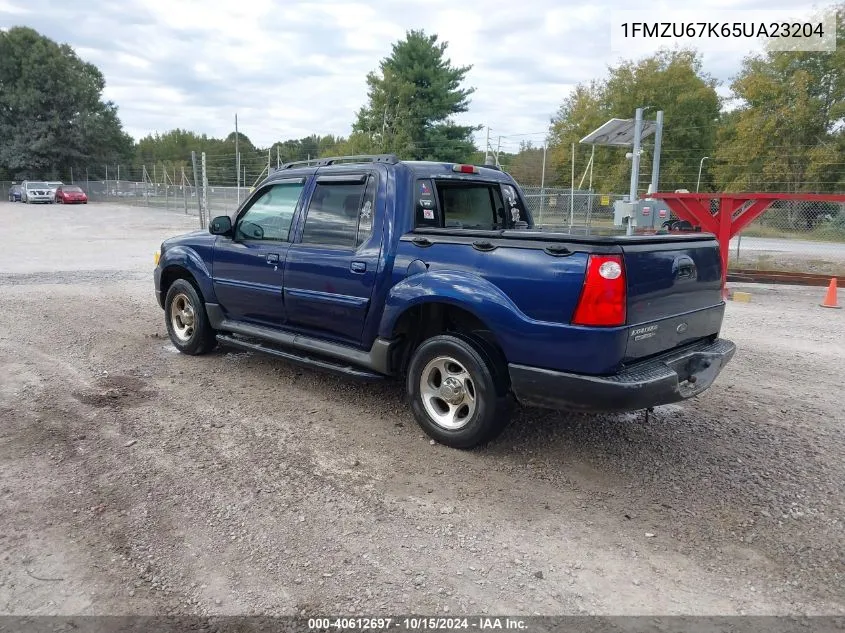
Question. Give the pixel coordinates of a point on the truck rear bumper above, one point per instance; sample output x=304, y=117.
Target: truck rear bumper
x=670, y=377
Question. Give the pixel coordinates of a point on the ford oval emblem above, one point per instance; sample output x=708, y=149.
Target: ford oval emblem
x=682, y=327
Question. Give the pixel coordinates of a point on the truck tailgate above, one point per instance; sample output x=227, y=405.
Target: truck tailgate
x=674, y=294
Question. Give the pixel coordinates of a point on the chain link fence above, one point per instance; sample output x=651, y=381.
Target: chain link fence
x=801, y=236
x=576, y=210
x=172, y=197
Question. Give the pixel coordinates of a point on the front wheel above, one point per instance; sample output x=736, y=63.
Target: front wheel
x=454, y=392
x=186, y=319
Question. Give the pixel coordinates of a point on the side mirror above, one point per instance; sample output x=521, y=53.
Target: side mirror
x=221, y=225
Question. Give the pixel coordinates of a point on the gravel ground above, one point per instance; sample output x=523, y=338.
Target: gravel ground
x=134, y=479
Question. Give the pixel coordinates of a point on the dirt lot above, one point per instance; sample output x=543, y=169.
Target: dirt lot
x=134, y=479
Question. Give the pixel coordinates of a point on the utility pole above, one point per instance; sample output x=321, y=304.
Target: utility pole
x=71, y=175
x=487, y=148
x=572, y=192
x=237, y=161
x=107, y=180
x=278, y=158
x=268, y=162
x=590, y=190
x=204, y=193
x=655, y=164
x=498, y=149
x=196, y=187
x=635, y=167
x=184, y=191
x=384, y=128
x=543, y=183
x=700, y=165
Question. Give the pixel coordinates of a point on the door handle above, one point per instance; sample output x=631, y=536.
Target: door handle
x=272, y=258
x=358, y=267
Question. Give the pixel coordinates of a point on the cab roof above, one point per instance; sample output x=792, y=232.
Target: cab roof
x=420, y=168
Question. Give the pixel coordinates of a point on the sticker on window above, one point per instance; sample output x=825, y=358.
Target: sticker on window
x=428, y=214
x=425, y=190
x=366, y=210
x=510, y=194
x=428, y=204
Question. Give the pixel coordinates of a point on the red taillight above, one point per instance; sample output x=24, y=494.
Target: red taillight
x=603, y=298
x=465, y=169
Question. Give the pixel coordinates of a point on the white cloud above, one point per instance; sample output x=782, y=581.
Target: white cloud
x=298, y=67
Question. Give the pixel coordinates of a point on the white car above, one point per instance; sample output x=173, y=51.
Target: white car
x=36, y=191
x=53, y=185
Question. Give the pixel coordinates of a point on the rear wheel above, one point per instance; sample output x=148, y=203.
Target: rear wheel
x=454, y=391
x=186, y=319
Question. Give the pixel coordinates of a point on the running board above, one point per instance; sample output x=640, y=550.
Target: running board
x=376, y=360
x=300, y=359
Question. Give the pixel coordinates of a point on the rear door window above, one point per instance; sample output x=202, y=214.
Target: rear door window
x=341, y=211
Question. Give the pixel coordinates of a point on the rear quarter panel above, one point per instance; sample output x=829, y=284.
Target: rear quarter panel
x=524, y=296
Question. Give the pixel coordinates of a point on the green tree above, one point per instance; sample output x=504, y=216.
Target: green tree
x=313, y=146
x=411, y=102
x=526, y=166
x=672, y=81
x=787, y=133
x=52, y=114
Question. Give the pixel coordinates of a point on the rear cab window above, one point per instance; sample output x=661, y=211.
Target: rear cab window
x=466, y=204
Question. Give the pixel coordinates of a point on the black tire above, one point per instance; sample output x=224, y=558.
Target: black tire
x=466, y=422
x=194, y=336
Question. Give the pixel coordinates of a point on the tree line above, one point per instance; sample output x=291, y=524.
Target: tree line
x=781, y=129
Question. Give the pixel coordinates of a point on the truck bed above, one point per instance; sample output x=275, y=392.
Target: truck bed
x=673, y=287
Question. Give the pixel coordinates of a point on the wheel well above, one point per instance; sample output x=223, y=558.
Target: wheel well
x=172, y=273
x=421, y=322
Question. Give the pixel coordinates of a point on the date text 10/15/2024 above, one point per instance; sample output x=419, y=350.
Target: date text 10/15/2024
x=481, y=623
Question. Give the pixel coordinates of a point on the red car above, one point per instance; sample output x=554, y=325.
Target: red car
x=70, y=194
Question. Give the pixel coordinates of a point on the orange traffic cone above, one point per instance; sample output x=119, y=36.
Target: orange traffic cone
x=830, y=296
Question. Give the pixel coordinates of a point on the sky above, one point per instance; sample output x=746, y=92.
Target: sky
x=291, y=68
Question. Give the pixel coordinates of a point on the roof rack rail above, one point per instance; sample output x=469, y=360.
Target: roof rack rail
x=390, y=159
x=496, y=167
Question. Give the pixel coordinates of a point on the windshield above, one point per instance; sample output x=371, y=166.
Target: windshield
x=71, y=189
x=36, y=185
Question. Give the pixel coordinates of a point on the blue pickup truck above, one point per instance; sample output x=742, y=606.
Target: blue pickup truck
x=435, y=274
